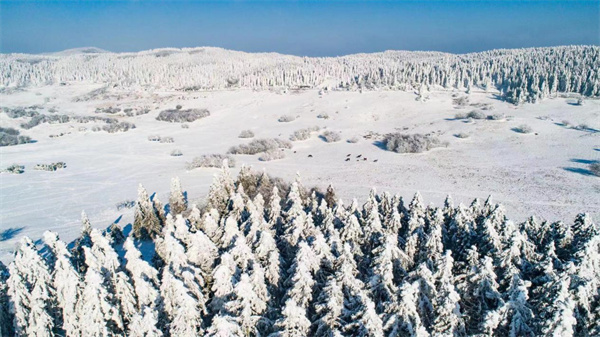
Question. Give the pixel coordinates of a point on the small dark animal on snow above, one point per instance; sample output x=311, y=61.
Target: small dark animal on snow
x=294, y=151
x=360, y=155
x=375, y=160
x=348, y=155
x=347, y=159
x=310, y=156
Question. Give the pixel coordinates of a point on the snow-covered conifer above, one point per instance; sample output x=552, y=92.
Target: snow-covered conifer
x=146, y=222
x=177, y=201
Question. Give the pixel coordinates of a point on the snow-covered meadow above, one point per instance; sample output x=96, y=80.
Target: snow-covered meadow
x=544, y=173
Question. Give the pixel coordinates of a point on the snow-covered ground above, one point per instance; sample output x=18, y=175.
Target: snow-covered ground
x=543, y=173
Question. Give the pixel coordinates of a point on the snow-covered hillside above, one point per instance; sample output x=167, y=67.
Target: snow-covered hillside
x=520, y=74
x=267, y=258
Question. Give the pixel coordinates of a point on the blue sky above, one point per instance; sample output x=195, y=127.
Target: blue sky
x=311, y=28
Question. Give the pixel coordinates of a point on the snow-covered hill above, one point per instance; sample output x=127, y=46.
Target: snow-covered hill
x=521, y=74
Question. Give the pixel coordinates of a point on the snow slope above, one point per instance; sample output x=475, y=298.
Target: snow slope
x=542, y=174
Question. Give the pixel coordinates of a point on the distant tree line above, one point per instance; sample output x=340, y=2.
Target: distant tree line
x=521, y=75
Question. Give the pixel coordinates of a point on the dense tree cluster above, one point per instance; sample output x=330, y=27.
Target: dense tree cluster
x=265, y=258
x=520, y=74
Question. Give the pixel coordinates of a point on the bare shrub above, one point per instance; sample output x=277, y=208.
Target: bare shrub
x=476, y=114
x=286, y=118
x=167, y=140
x=118, y=127
x=353, y=140
x=323, y=115
x=185, y=126
x=176, y=153
x=125, y=204
x=246, y=134
x=181, y=116
x=303, y=134
x=10, y=136
x=415, y=143
x=523, y=128
x=50, y=167
x=272, y=155
x=154, y=138
x=461, y=135
x=330, y=136
x=260, y=145
x=15, y=169
x=595, y=169
x=210, y=160
x=460, y=115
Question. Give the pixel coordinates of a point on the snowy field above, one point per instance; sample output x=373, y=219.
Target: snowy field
x=543, y=173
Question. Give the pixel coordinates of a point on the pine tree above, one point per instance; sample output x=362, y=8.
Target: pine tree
x=300, y=283
x=95, y=311
x=29, y=290
x=66, y=282
x=404, y=319
x=224, y=276
x=328, y=310
x=448, y=317
x=247, y=306
x=146, y=223
x=177, y=201
x=514, y=318
x=144, y=324
x=182, y=308
x=220, y=190
x=6, y=321
x=294, y=322
x=144, y=278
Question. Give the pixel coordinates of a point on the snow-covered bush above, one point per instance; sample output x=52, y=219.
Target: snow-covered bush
x=582, y=127
x=461, y=135
x=181, y=116
x=118, y=127
x=15, y=169
x=461, y=101
x=260, y=145
x=19, y=112
x=415, y=143
x=303, y=134
x=323, y=115
x=154, y=138
x=176, y=153
x=476, y=114
x=496, y=117
x=210, y=160
x=595, y=169
x=185, y=126
x=10, y=136
x=286, y=119
x=272, y=155
x=50, y=167
x=246, y=134
x=167, y=140
x=353, y=140
x=330, y=136
x=523, y=128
